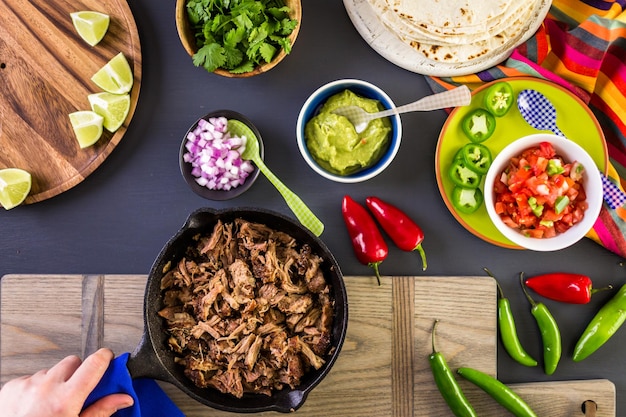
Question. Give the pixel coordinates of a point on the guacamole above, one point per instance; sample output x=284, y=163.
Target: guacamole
x=334, y=143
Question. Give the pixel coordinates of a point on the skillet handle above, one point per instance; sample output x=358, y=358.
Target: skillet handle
x=199, y=218
x=143, y=362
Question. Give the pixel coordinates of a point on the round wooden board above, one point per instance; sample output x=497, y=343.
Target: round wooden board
x=45, y=74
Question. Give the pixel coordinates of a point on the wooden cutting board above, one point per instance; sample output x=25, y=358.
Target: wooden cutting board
x=45, y=74
x=382, y=369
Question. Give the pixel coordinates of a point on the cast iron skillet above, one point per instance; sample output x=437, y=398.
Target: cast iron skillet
x=153, y=359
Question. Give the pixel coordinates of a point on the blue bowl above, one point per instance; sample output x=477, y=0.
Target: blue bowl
x=311, y=108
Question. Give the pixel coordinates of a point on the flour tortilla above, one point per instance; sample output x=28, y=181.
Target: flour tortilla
x=466, y=52
x=461, y=36
x=451, y=31
x=452, y=14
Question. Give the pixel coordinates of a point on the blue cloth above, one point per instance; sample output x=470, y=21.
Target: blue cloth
x=150, y=399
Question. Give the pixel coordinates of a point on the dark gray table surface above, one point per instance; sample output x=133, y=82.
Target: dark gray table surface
x=118, y=219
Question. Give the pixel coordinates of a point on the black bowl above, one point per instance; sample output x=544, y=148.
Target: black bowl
x=185, y=167
x=153, y=358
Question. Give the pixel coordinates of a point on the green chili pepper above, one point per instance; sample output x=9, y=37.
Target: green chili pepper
x=447, y=384
x=508, y=331
x=467, y=200
x=561, y=203
x=550, y=334
x=478, y=125
x=603, y=326
x=458, y=156
x=499, y=98
x=462, y=175
x=504, y=395
x=536, y=208
x=477, y=157
x=555, y=166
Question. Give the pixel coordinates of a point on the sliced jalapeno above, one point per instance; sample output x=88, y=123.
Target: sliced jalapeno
x=504, y=395
x=458, y=156
x=477, y=157
x=462, y=175
x=478, y=125
x=467, y=200
x=499, y=98
x=550, y=334
x=447, y=384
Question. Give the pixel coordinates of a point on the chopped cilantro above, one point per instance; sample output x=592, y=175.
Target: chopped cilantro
x=238, y=35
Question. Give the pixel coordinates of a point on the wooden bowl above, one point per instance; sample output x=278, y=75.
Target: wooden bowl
x=186, y=35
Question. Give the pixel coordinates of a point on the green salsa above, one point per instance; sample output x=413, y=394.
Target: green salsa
x=334, y=143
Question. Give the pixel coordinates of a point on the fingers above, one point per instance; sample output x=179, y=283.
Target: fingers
x=64, y=369
x=107, y=406
x=89, y=373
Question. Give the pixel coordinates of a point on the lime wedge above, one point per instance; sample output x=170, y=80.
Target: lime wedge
x=115, y=76
x=90, y=26
x=113, y=107
x=87, y=126
x=15, y=185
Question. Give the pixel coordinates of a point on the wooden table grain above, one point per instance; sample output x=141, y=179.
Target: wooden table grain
x=382, y=369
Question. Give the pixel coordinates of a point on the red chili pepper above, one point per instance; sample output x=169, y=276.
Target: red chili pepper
x=368, y=243
x=564, y=287
x=404, y=232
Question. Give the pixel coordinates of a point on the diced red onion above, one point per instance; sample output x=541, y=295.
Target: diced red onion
x=215, y=155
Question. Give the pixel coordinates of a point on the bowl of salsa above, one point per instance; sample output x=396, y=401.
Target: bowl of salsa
x=543, y=192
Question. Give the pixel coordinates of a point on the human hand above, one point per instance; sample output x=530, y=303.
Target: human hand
x=62, y=390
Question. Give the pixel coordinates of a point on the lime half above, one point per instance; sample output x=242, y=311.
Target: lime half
x=87, y=127
x=15, y=185
x=91, y=26
x=112, y=107
x=115, y=76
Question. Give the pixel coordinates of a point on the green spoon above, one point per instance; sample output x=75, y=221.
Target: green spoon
x=251, y=152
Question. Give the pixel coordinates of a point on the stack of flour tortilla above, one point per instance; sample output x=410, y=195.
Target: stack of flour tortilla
x=460, y=31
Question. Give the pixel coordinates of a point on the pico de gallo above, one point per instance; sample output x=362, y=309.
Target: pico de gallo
x=539, y=193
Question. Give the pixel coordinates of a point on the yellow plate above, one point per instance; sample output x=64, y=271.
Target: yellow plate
x=573, y=118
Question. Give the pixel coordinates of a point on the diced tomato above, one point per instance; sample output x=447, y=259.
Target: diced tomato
x=538, y=185
x=561, y=227
x=546, y=149
x=578, y=214
x=559, y=181
x=509, y=222
x=499, y=186
x=572, y=193
x=568, y=219
x=540, y=165
x=527, y=221
x=549, y=232
x=536, y=233
x=550, y=215
x=527, y=177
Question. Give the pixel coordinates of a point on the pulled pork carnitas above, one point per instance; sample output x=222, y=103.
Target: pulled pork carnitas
x=247, y=309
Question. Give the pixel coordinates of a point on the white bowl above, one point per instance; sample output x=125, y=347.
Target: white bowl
x=592, y=182
x=365, y=89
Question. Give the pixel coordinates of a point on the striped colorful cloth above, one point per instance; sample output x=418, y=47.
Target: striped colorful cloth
x=581, y=46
